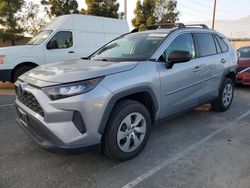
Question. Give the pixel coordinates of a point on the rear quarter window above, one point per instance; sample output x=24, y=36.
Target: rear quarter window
x=205, y=44
x=222, y=43
x=217, y=45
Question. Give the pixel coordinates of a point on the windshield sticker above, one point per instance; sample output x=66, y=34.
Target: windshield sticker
x=162, y=35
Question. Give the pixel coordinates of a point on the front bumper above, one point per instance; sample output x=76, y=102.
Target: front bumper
x=5, y=75
x=39, y=133
x=56, y=129
x=243, y=77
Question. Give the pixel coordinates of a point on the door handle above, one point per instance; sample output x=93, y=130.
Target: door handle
x=223, y=60
x=197, y=68
x=71, y=52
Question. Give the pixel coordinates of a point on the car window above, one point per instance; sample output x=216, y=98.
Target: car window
x=217, y=45
x=131, y=47
x=62, y=39
x=40, y=37
x=183, y=42
x=206, y=44
x=244, y=52
x=123, y=47
x=222, y=44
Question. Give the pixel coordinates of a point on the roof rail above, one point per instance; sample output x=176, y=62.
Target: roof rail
x=159, y=26
x=168, y=26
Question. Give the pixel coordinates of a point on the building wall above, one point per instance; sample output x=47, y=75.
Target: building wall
x=240, y=43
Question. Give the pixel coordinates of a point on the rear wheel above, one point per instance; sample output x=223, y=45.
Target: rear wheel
x=21, y=70
x=128, y=130
x=225, y=97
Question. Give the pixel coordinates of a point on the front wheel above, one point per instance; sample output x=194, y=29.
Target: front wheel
x=20, y=71
x=225, y=97
x=128, y=130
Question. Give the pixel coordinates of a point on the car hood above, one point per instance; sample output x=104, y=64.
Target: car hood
x=76, y=70
x=15, y=49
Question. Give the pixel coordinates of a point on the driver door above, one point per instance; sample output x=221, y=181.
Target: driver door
x=181, y=85
x=60, y=47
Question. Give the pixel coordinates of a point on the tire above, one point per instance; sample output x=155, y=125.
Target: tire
x=225, y=98
x=124, y=139
x=21, y=70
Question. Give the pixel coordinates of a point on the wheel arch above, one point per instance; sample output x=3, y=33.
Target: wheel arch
x=229, y=73
x=28, y=63
x=145, y=95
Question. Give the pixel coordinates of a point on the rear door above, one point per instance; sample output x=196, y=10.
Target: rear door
x=181, y=85
x=210, y=54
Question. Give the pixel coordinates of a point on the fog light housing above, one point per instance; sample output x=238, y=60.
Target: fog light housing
x=78, y=122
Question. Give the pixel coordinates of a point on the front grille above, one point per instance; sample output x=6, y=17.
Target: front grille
x=29, y=100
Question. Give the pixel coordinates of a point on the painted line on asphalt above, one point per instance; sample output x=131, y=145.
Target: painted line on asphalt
x=171, y=160
x=5, y=105
x=243, y=116
x=180, y=155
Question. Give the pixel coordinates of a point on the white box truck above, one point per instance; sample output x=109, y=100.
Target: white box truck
x=67, y=37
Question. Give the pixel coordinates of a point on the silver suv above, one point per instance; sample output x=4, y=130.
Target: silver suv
x=115, y=95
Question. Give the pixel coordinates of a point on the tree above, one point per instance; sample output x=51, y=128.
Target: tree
x=166, y=11
x=138, y=20
x=106, y=8
x=31, y=22
x=145, y=14
x=11, y=30
x=56, y=8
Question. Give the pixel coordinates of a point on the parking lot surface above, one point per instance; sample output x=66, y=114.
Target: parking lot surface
x=201, y=148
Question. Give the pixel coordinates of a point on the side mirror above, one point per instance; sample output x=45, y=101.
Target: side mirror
x=177, y=56
x=52, y=45
x=238, y=54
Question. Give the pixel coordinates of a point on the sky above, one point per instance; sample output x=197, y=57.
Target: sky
x=197, y=11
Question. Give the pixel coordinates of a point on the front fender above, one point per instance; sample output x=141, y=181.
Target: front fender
x=118, y=96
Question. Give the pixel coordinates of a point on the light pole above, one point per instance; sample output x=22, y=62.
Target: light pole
x=125, y=10
x=213, y=23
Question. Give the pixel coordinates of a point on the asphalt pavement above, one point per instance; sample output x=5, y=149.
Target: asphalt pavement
x=201, y=148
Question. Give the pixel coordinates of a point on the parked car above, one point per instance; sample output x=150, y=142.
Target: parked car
x=66, y=37
x=129, y=84
x=243, y=73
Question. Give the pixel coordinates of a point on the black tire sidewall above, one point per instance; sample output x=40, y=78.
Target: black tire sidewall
x=226, y=81
x=119, y=113
x=20, y=71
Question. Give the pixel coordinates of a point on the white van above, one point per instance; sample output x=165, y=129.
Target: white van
x=66, y=37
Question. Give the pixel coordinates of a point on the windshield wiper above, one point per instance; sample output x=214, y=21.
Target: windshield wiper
x=85, y=58
x=104, y=59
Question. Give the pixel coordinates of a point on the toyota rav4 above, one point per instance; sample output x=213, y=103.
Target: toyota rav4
x=114, y=96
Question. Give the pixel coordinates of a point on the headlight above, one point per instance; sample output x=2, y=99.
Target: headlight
x=2, y=59
x=71, y=89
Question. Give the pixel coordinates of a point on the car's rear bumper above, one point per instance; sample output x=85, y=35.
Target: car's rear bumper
x=5, y=75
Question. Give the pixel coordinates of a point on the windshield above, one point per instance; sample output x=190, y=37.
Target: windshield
x=244, y=52
x=131, y=47
x=42, y=36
